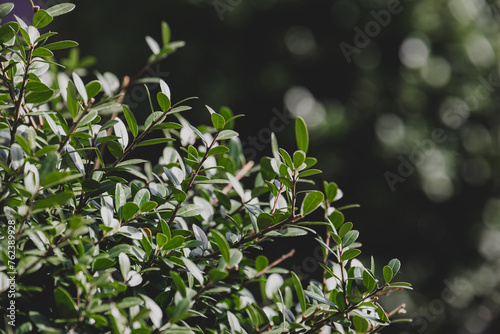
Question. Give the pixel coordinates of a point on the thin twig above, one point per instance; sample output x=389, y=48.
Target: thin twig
x=243, y=171
x=270, y=266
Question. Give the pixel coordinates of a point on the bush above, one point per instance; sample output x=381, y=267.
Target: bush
x=103, y=242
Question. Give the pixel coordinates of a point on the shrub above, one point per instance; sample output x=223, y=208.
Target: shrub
x=95, y=241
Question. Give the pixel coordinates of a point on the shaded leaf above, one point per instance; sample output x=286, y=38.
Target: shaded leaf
x=299, y=291
x=131, y=121
x=64, y=303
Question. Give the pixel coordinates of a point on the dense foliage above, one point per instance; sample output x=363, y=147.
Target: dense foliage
x=95, y=241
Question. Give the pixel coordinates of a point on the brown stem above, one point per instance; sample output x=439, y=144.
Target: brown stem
x=289, y=220
x=19, y=103
x=294, y=193
x=74, y=126
x=243, y=171
x=277, y=198
x=270, y=266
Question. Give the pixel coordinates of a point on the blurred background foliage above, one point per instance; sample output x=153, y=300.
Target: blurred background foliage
x=407, y=124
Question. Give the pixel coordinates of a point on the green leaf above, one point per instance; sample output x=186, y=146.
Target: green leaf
x=311, y=202
x=48, y=166
x=39, y=97
x=215, y=275
x=42, y=52
x=61, y=45
x=129, y=210
x=361, y=324
x=180, y=311
x=165, y=33
x=222, y=244
x=218, y=121
x=141, y=197
x=298, y=158
x=155, y=141
x=399, y=285
x=102, y=263
x=264, y=220
x=93, y=88
x=88, y=118
x=395, y=265
x=261, y=262
x=90, y=184
x=190, y=210
x=41, y=18
x=65, y=304
x=35, y=86
x=235, y=257
x=193, y=269
x=223, y=199
x=300, y=291
x=319, y=298
x=161, y=240
x=344, y=229
x=61, y=9
x=168, y=125
x=234, y=323
x=124, y=261
x=227, y=134
x=292, y=232
x=148, y=206
x=8, y=31
x=388, y=274
x=72, y=103
x=115, y=149
x=369, y=282
x=57, y=177
x=174, y=243
x=178, y=282
x=120, y=199
x=199, y=135
x=275, y=147
x=236, y=185
x=330, y=191
x=163, y=101
x=301, y=134
x=53, y=201
x=23, y=143
x=218, y=150
x=132, y=123
x=80, y=87
x=310, y=172
x=45, y=36
x=337, y=219
x=25, y=32
x=171, y=177
x=5, y=9
x=286, y=158
x=349, y=238
x=350, y=254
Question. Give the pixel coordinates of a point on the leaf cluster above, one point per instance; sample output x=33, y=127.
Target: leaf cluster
x=125, y=245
